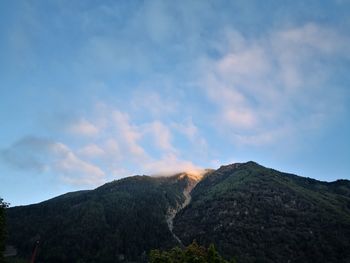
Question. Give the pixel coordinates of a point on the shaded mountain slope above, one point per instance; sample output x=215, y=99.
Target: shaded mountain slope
x=121, y=220
x=262, y=215
x=248, y=211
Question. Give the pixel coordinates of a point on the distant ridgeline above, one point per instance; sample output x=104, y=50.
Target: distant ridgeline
x=247, y=211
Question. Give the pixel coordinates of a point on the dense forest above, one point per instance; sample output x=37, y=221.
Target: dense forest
x=262, y=215
x=3, y=206
x=249, y=212
x=193, y=253
x=120, y=220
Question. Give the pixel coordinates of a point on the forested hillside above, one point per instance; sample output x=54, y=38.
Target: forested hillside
x=262, y=215
x=249, y=212
x=121, y=220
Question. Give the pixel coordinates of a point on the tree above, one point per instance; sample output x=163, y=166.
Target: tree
x=213, y=255
x=3, y=206
x=193, y=253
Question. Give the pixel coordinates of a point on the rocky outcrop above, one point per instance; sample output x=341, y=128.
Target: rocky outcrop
x=192, y=179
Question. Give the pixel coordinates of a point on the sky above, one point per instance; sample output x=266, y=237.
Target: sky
x=93, y=91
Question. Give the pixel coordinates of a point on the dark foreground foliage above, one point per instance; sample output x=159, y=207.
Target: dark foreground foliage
x=3, y=206
x=193, y=253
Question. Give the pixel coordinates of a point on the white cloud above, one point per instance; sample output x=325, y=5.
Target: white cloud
x=91, y=150
x=123, y=145
x=83, y=127
x=161, y=135
x=235, y=108
x=244, y=62
x=129, y=137
x=189, y=129
x=199, y=144
x=111, y=147
x=128, y=133
x=78, y=172
x=313, y=36
x=43, y=155
x=275, y=84
x=243, y=118
x=168, y=165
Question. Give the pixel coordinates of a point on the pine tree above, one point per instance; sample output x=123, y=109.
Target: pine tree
x=3, y=206
x=193, y=253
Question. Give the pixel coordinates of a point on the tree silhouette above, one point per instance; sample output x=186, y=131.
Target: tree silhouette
x=3, y=206
x=193, y=253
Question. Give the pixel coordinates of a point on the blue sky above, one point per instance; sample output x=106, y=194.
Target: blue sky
x=92, y=91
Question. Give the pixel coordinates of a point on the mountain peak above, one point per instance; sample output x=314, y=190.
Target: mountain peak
x=238, y=205
x=195, y=175
x=236, y=165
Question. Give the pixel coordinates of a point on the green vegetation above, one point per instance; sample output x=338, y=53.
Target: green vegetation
x=3, y=207
x=249, y=212
x=193, y=253
x=120, y=220
x=262, y=215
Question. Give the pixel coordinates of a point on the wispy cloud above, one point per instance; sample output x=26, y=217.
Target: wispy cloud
x=161, y=134
x=126, y=146
x=91, y=151
x=83, y=127
x=193, y=134
x=276, y=85
x=169, y=164
x=74, y=170
x=157, y=106
x=28, y=153
x=43, y=155
x=128, y=133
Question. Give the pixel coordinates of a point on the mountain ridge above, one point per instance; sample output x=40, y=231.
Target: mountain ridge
x=242, y=208
x=249, y=212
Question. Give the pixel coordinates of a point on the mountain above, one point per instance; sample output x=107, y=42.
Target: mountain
x=120, y=220
x=262, y=215
x=249, y=212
